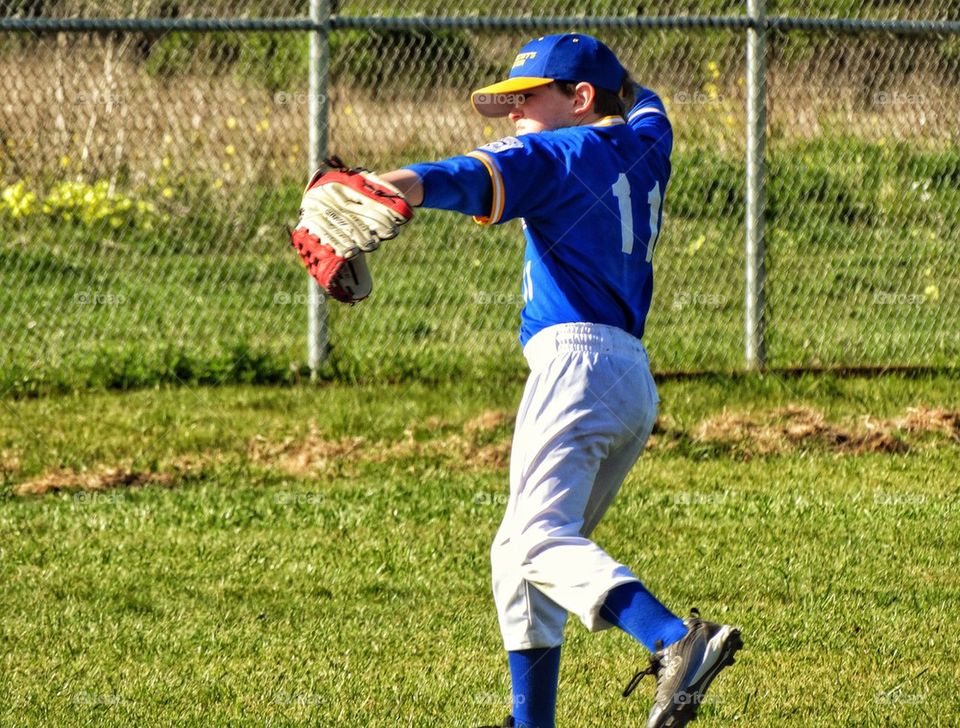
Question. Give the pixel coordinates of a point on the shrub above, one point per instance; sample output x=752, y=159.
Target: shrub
x=97, y=204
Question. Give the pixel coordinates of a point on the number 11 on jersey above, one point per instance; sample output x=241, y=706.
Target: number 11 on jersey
x=621, y=190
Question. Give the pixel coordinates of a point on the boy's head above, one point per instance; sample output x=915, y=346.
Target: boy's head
x=559, y=81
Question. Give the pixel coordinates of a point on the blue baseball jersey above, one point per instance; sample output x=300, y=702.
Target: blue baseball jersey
x=590, y=199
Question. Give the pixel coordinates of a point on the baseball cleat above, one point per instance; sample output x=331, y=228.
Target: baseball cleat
x=685, y=669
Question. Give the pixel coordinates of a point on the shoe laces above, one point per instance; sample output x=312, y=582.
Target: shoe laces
x=655, y=663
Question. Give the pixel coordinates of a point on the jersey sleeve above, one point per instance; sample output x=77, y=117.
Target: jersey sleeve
x=648, y=117
x=461, y=184
x=522, y=172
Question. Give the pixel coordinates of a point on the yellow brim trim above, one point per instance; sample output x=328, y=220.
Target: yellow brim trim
x=497, y=99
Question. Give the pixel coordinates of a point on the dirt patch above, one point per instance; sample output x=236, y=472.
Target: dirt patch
x=316, y=454
x=789, y=428
x=925, y=419
x=309, y=455
x=489, y=421
x=880, y=441
x=107, y=477
x=95, y=479
x=496, y=455
x=765, y=433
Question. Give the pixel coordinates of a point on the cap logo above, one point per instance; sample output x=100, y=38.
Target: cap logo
x=523, y=58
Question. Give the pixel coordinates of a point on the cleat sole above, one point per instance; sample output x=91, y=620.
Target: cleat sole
x=733, y=644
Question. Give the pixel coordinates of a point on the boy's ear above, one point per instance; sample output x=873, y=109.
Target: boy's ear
x=585, y=94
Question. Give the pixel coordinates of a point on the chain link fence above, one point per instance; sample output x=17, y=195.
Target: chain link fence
x=148, y=170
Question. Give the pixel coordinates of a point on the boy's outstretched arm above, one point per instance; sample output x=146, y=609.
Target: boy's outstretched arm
x=408, y=182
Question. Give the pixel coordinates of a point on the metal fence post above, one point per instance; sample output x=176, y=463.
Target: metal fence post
x=755, y=301
x=318, y=111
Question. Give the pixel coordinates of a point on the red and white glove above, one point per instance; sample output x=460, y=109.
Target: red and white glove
x=345, y=213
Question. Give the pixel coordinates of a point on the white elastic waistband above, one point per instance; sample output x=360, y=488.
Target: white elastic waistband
x=544, y=346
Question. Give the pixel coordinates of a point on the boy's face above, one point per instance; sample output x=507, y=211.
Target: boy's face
x=546, y=107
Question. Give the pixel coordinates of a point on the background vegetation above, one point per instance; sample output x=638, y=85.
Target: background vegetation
x=146, y=182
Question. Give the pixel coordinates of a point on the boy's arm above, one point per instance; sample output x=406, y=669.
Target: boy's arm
x=461, y=184
x=499, y=181
x=409, y=184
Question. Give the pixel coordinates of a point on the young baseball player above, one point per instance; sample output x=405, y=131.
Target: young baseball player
x=587, y=179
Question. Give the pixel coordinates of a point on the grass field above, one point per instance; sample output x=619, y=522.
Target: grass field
x=318, y=556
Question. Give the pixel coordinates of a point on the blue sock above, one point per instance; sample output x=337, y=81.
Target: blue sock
x=534, y=675
x=638, y=613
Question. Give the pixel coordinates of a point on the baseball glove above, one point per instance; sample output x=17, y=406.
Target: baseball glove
x=344, y=214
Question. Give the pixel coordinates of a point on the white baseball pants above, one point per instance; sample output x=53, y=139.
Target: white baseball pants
x=587, y=410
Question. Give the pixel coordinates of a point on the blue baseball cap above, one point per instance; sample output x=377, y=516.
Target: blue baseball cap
x=567, y=57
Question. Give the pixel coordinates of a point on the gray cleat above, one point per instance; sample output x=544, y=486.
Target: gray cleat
x=685, y=669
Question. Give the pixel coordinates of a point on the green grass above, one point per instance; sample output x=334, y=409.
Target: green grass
x=358, y=596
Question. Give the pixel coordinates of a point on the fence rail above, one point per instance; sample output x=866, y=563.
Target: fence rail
x=143, y=174
x=478, y=22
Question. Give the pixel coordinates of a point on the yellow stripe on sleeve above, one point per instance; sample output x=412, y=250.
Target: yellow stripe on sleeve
x=609, y=121
x=496, y=179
